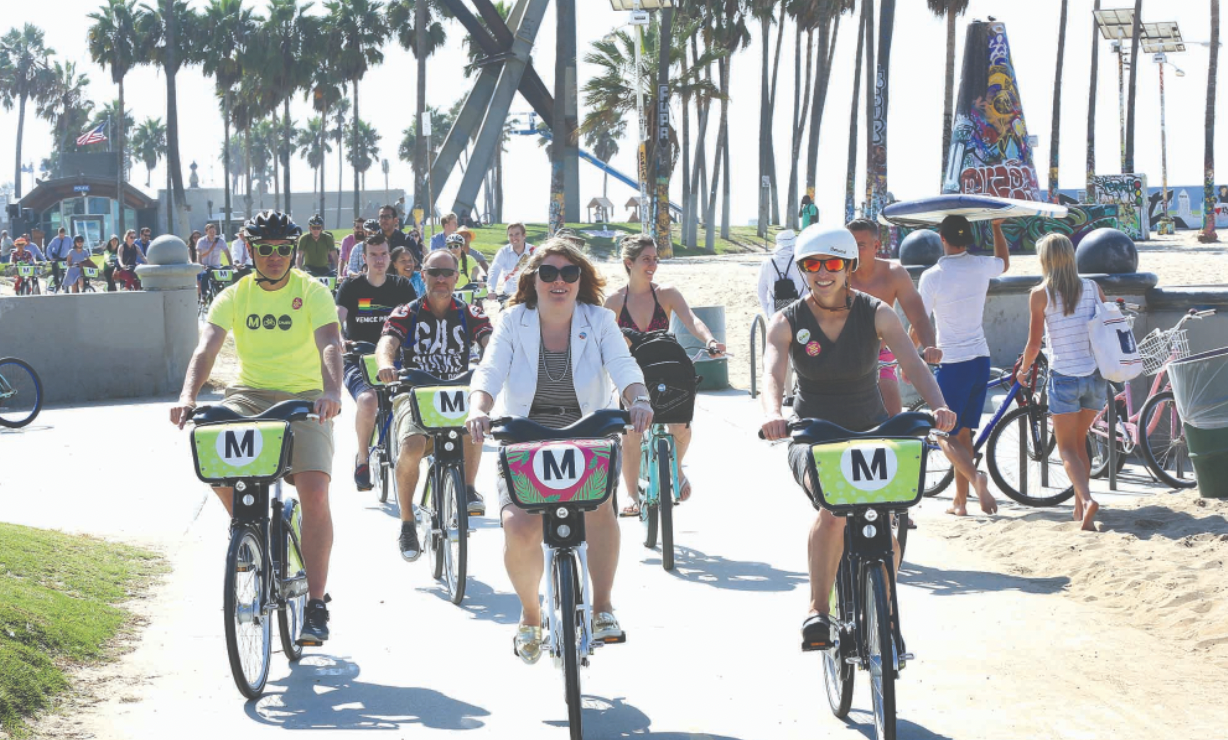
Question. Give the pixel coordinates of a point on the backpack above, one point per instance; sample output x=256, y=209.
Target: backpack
x=669, y=375
x=784, y=290
x=1112, y=337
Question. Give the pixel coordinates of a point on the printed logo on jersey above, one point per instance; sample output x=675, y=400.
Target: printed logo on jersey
x=284, y=322
x=253, y=321
x=269, y=321
x=364, y=304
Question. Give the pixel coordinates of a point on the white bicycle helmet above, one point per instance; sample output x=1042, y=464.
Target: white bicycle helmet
x=816, y=240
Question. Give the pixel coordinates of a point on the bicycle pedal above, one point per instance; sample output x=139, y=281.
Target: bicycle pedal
x=614, y=640
x=813, y=647
x=244, y=568
x=306, y=642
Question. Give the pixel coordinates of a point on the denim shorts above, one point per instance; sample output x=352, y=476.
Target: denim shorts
x=1071, y=393
x=355, y=381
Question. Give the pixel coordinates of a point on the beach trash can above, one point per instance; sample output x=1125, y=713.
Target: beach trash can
x=715, y=373
x=1200, y=388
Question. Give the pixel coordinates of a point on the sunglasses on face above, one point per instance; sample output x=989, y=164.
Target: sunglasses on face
x=266, y=250
x=832, y=264
x=440, y=272
x=550, y=273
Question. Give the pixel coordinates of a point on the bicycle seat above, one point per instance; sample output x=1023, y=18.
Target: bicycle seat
x=908, y=424
x=284, y=411
x=603, y=423
x=419, y=378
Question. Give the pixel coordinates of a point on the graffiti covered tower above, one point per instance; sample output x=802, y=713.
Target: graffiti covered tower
x=990, y=153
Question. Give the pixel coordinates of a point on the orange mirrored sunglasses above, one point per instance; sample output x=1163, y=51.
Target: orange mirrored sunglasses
x=833, y=264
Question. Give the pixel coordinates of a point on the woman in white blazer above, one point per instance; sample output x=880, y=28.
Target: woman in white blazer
x=557, y=355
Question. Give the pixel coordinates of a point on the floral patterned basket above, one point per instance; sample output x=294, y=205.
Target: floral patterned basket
x=580, y=473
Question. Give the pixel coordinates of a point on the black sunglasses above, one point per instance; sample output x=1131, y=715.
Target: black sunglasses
x=550, y=273
x=266, y=250
x=440, y=272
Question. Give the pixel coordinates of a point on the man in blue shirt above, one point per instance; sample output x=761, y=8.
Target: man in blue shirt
x=57, y=251
x=449, y=223
x=145, y=240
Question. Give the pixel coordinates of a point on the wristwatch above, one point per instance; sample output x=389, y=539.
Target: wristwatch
x=641, y=397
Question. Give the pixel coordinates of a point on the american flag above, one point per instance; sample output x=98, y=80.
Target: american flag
x=93, y=136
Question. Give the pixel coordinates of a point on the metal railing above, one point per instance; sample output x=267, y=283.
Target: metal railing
x=760, y=324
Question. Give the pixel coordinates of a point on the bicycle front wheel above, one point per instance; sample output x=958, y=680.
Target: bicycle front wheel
x=569, y=643
x=1024, y=462
x=379, y=473
x=1162, y=442
x=294, y=581
x=837, y=672
x=665, y=495
x=21, y=393
x=880, y=652
x=248, y=633
x=938, y=470
x=454, y=534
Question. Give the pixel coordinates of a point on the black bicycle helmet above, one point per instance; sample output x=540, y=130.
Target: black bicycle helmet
x=315, y=221
x=371, y=225
x=271, y=225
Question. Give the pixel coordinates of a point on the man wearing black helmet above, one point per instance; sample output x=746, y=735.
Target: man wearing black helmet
x=289, y=345
x=317, y=251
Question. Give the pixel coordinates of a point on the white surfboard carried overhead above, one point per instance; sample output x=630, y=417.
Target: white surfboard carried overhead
x=931, y=211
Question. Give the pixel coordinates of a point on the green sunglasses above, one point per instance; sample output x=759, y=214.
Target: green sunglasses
x=266, y=250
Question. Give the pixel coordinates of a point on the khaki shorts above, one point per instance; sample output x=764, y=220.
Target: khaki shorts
x=313, y=441
x=403, y=419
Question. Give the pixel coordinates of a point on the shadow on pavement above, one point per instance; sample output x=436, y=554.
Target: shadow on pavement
x=322, y=692
x=863, y=722
x=482, y=601
x=615, y=718
x=943, y=582
x=735, y=575
x=31, y=427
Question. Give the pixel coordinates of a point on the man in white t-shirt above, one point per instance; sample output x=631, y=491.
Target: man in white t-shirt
x=954, y=291
x=505, y=268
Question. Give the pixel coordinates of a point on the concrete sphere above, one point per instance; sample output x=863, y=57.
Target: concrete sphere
x=168, y=249
x=1106, y=251
x=922, y=247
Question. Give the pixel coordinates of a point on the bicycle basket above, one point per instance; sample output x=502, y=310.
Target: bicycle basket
x=670, y=378
x=370, y=371
x=328, y=282
x=27, y=271
x=224, y=276
x=464, y=296
x=254, y=450
x=440, y=406
x=90, y=272
x=1160, y=347
x=580, y=472
x=859, y=473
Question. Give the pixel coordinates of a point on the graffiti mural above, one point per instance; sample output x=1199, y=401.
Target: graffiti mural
x=990, y=153
x=1187, y=206
x=1129, y=193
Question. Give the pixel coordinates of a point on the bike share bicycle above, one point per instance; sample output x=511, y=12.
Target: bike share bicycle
x=562, y=474
x=383, y=448
x=265, y=572
x=867, y=478
x=28, y=276
x=441, y=407
x=21, y=393
x=215, y=281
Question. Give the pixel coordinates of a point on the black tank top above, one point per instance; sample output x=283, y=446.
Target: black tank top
x=837, y=381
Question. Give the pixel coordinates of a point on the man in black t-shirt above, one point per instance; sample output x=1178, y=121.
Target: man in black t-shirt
x=363, y=303
x=389, y=224
x=434, y=334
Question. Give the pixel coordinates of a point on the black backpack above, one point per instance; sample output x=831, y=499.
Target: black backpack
x=784, y=290
x=669, y=375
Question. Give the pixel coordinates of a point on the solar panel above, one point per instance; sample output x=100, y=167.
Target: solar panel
x=1115, y=24
x=644, y=4
x=1162, y=37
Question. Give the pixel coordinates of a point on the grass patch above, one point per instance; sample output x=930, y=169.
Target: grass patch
x=59, y=597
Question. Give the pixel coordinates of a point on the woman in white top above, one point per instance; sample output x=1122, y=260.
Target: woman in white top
x=1061, y=306
x=556, y=356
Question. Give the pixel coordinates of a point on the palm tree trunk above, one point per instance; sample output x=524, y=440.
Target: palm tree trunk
x=247, y=167
x=354, y=148
x=276, y=166
x=850, y=182
x=799, y=120
x=179, y=197
x=725, y=181
x=775, y=187
x=882, y=73
x=420, y=154
x=323, y=159
x=765, y=128
x=226, y=160
x=710, y=217
x=703, y=109
x=1056, y=130
x=340, y=169
x=948, y=103
x=869, y=107
x=1134, y=62
x=285, y=153
x=686, y=159
x=21, y=128
x=1091, y=112
x=119, y=176
x=1208, y=197
x=816, y=109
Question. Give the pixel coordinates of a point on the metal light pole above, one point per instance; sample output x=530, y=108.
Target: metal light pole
x=1165, y=226
x=1121, y=99
x=1117, y=26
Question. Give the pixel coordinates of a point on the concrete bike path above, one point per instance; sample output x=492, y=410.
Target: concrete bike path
x=712, y=651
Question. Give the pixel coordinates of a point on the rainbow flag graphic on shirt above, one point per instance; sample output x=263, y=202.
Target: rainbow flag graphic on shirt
x=364, y=304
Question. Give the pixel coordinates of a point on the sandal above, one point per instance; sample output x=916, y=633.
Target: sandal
x=631, y=509
x=816, y=633
x=684, y=488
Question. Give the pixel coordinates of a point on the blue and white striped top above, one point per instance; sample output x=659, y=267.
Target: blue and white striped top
x=1069, y=340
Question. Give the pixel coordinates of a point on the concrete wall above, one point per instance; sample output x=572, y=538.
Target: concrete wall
x=97, y=346
x=302, y=206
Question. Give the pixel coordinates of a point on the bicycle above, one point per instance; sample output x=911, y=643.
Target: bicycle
x=27, y=278
x=441, y=407
x=88, y=273
x=215, y=281
x=328, y=281
x=56, y=284
x=383, y=448
x=1155, y=430
x=866, y=478
x=660, y=481
x=561, y=474
x=21, y=393
x=264, y=562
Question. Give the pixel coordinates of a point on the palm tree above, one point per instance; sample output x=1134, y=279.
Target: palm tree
x=24, y=76
x=1128, y=166
x=1091, y=110
x=112, y=43
x=949, y=9
x=288, y=33
x=230, y=28
x=264, y=148
x=66, y=106
x=1056, y=130
x=805, y=18
x=364, y=148
x=340, y=112
x=148, y=143
x=418, y=28
x=604, y=145
x=764, y=11
x=877, y=171
x=167, y=33
x=325, y=91
x=235, y=153
x=829, y=33
x=729, y=32
x=850, y=205
x=1208, y=198
x=314, y=147
x=407, y=150
x=362, y=28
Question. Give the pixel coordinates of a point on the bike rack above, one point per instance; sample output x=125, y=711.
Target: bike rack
x=760, y=324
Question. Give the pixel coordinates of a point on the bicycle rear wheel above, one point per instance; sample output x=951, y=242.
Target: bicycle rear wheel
x=454, y=533
x=665, y=497
x=248, y=629
x=379, y=473
x=294, y=578
x=1162, y=442
x=938, y=470
x=1023, y=459
x=880, y=652
x=569, y=614
x=431, y=510
x=837, y=672
x=21, y=393
x=648, y=516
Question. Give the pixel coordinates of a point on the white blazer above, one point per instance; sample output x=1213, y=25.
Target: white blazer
x=599, y=355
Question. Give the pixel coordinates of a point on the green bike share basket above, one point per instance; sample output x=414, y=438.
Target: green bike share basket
x=1200, y=389
x=862, y=472
x=258, y=451
x=440, y=407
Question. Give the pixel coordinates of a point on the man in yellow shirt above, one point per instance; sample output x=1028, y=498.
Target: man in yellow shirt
x=289, y=346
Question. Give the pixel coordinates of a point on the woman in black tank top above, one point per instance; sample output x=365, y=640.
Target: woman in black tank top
x=833, y=336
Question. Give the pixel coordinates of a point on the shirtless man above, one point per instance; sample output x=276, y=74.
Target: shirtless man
x=889, y=282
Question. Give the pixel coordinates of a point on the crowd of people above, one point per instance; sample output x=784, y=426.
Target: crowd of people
x=67, y=257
